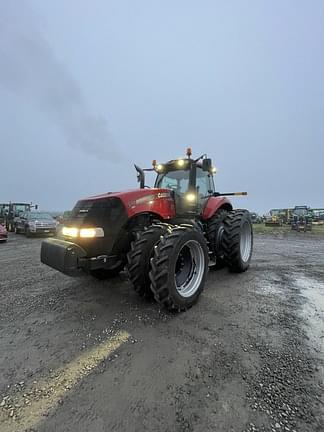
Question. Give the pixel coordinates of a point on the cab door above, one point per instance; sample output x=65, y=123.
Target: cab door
x=205, y=187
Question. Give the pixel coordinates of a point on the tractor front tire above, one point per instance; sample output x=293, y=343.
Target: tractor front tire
x=215, y=232
x=238, y=240
x=179, y=268
x=139, y=257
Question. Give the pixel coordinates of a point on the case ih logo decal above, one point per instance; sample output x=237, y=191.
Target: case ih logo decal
x=146, y=199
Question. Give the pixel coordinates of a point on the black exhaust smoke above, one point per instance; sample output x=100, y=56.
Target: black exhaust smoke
x=30, y=68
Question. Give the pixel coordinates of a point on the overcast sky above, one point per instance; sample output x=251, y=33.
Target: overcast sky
x=89, y=87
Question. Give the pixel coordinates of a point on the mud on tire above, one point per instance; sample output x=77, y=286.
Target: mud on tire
x=238, y=240
x=179, y=268
x=139, y=265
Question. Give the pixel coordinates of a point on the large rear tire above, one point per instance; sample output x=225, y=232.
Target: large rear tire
x=238, y=240
x=139, y=257
x=179, y=268
x=215, y=232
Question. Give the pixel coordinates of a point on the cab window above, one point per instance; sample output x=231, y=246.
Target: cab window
x=204, y=183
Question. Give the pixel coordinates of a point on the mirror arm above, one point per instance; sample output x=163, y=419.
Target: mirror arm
x=140, y=176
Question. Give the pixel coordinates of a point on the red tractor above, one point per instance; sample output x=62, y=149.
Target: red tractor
x=166, y=236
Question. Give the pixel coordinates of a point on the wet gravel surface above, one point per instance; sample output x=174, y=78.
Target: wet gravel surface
x=248, y=357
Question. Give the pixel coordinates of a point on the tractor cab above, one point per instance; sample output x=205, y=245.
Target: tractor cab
x=189, y=180
x=301, y=211
x=190, y=184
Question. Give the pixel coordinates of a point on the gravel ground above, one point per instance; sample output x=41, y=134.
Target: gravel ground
x=83, y=355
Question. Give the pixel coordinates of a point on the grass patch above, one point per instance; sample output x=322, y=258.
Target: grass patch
x=318, y=229
x=262, y=229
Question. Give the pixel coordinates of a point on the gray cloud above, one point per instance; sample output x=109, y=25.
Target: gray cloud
x=30, y=68
x=244, y=85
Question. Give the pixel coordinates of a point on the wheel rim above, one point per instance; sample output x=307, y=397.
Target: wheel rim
x=246, y=242
x=189, y=269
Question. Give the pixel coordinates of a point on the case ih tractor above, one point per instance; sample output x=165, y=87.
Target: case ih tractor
x=166, y=236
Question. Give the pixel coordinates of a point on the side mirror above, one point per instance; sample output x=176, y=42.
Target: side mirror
x=206, y=164
x=140, y=176
x=36, y=206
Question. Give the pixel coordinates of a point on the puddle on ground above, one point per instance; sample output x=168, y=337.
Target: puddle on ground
x=313, y=309
x=270, y=284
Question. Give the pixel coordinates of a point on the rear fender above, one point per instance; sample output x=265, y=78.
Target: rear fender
x=214, y=204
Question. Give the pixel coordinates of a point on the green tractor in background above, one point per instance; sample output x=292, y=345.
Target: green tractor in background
x=302, y=218
x=12, y=213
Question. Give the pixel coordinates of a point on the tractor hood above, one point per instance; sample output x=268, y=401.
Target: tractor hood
x=111, y=212
x=136, y=201
x=127, y=195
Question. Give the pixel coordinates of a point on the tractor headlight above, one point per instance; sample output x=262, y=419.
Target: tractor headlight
x=83, y=232
x=91, y=232
x=159, y=167
x=70, y=232
x=180, y=162
x=191, y=197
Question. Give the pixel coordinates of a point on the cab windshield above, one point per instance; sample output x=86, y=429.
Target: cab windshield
x=178, y=180
x=300, y=211
x=275, y=212
x=21, y=207
x=34, y=215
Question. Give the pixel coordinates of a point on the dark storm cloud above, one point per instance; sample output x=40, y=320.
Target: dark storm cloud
x=30, y=68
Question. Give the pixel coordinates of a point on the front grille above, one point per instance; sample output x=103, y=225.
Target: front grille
x=107, y=213
x=44, y=225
